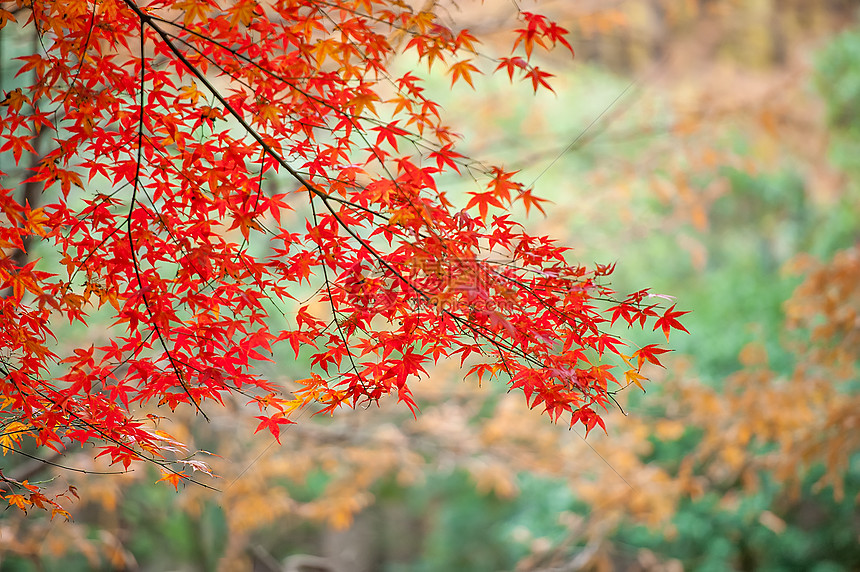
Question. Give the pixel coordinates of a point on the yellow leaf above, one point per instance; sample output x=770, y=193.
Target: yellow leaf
x=18, y=500
x=12, y=434
x=243, y=12
x=634, y=377
x=194, y=10
x=190, y=92
x=35, y=221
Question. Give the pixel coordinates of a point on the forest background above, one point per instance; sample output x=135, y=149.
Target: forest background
x=710, y=146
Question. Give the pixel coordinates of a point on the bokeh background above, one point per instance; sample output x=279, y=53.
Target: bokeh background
x=710, y=149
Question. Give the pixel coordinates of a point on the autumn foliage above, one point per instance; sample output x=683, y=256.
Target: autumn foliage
x=222, y=177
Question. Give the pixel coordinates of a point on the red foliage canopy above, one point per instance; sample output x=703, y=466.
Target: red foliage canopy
x=171, y=125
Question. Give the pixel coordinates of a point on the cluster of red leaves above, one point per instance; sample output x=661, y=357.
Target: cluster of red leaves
x=172, y=123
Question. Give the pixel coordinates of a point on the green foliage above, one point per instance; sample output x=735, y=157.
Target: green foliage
x=754, y=230
x=165, y=533
x=472, y=531
x=838, y=82
x=713, y=535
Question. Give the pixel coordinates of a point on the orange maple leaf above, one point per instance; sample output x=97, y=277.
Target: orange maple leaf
x=172, y=477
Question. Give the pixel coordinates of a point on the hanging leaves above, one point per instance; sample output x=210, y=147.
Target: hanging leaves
x=167, y=139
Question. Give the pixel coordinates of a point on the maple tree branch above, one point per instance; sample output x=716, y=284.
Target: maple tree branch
x=132, y=202
x=28, y=471
x=334, y=312
x=415, y=138
x=145, y=18
x=137, y=454
x=208, y=297
x=68, y=410
x=81, y=58
x=166, y=38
